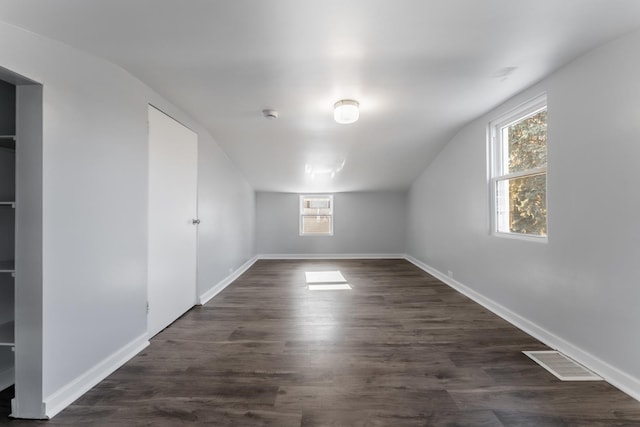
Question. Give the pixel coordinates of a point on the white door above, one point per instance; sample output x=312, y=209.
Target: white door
x=172, y=239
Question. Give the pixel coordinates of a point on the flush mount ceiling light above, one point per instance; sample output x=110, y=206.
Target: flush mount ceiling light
x=346, y=111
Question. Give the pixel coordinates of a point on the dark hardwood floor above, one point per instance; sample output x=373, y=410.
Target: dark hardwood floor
x=400, y=349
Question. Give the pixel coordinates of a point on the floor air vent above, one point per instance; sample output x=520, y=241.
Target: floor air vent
x=561, y=366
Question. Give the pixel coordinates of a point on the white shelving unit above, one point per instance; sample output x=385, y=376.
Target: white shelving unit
x=7, y=334
x=7, y=233
x=7, y=205
x=7, y=266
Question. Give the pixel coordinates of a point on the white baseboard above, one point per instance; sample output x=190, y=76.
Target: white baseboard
x=331, y=256
x=7, y=378
x=221, y=285
x=614, y=376
x=62, y=398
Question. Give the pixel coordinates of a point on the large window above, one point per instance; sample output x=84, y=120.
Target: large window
x=519, y=171
x=316, y=215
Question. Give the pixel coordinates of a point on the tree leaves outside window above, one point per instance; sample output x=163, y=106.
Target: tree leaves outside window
x=519, y=170
x=527, y=150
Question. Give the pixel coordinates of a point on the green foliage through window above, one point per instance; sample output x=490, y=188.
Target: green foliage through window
x=528, y=143
x=528, y=205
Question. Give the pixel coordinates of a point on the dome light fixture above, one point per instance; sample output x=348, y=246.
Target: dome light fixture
x=346, y=111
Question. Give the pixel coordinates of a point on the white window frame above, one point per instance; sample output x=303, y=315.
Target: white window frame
x=301, y=215
x=499, y=163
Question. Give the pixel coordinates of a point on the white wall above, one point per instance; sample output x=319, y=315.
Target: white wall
x=226, y=207
x=94, y=206
x=582, y=286
x=364, y=223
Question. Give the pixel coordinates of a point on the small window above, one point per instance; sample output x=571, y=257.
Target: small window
x=519, y=171
x=316, y=215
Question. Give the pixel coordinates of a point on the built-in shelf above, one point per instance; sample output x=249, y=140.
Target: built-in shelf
x=12, y=204
x=8, y=142
x=8, y=266
x=7, y=334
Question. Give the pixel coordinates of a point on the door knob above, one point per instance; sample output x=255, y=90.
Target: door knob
x=195, y=221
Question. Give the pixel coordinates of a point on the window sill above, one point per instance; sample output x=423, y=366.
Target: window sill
x=522, y=237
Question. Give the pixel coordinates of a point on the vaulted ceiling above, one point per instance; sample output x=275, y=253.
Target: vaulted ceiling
x=420, y=70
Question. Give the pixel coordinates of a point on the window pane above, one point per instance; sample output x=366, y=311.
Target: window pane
x=316, y=206
x=522, y=205
x=315, y=211
x=316, y=224
x=527, y=143
x=317, y=203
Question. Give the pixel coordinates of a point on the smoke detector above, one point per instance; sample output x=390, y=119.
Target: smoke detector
x=270, y=114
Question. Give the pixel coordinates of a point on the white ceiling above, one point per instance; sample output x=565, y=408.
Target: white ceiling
x=419, y=68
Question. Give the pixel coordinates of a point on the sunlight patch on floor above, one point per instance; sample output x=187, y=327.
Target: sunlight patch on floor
x=326, y=281
x=330, y=287
x=324, y=277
